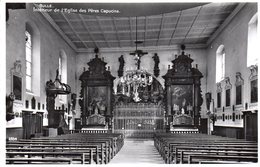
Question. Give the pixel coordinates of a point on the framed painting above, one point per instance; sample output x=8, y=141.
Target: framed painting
x=238, y=94
x=97, y=99
x=17, y=81
x=182, y=97
x=253, y=91
x=228, y=98
x=218, y=99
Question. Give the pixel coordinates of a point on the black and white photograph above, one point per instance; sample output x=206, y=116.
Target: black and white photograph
x=129, y=83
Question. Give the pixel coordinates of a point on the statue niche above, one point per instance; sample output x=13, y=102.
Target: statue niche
x=96, y=94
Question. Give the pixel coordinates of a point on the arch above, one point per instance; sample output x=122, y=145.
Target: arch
x=220, y=63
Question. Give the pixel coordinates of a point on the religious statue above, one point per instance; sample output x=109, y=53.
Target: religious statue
x=121, y=66
x=156, y=65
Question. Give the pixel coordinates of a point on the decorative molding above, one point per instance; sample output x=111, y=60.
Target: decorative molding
x=17, y=68
x=219, y=88
x=239, y=79
x=253, y=70
x=228, y=84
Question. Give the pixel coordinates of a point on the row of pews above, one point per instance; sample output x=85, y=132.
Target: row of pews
x=76, y=148
x=189, y=148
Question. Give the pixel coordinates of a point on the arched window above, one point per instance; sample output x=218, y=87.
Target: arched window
x=252, y=48
x=32, y=58
x=220, y=63
x=28, y=59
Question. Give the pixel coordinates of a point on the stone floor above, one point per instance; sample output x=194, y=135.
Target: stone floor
x=138, y=151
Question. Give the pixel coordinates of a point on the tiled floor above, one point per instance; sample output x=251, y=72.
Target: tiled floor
x=138, y=151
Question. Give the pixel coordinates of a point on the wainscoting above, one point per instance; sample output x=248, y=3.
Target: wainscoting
x=237, y=133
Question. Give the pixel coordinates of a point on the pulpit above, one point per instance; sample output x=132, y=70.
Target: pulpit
x=183, y=94
x=96, y=95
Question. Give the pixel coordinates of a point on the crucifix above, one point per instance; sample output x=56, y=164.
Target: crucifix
x=138, y=53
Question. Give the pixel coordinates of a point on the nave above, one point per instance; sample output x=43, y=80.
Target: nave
x=170, y=87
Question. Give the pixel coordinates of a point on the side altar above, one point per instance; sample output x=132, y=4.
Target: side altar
x=96, y=96
x=183, y=95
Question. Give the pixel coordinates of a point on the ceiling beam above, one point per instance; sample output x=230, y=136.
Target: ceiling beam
x=161, y=26
x=131, y=31
x=175, y=27
x=145, y=31
x=74, y=30
x=100, y=27
x=86, y=27
x=60, y=32
x=192, y=23
x=119, y=43
x=226, y=22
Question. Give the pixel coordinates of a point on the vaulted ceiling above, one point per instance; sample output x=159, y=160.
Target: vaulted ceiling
x=193, y=26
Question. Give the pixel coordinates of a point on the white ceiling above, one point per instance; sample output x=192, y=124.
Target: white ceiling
x=194, y=26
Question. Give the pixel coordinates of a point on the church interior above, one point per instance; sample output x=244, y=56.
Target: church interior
x=108, y=83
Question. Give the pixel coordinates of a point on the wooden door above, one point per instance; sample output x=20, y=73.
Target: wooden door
x=27, y=124
x=250, y=125
x=32, y=124
x=77, y=123
x=204, y=125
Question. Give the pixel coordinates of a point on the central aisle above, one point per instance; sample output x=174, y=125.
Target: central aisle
x=138, y=151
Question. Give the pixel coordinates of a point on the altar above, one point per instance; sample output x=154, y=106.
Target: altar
x=183, y=95
x=96, y=96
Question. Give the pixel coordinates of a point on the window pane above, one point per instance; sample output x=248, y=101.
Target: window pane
x=28, y=69
x=28, y=83
x=252, y=44
x=28, y=38
x=28, y=53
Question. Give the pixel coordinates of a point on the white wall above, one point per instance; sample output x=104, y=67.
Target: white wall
x=50, y=45
x=234, y=38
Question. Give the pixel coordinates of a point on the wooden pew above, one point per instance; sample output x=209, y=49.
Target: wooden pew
x=82, y=156
x=109, y=144
x=186, y=153
x=39, y=160
x=166, y=143
x=58, y=147
x=222, y=157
